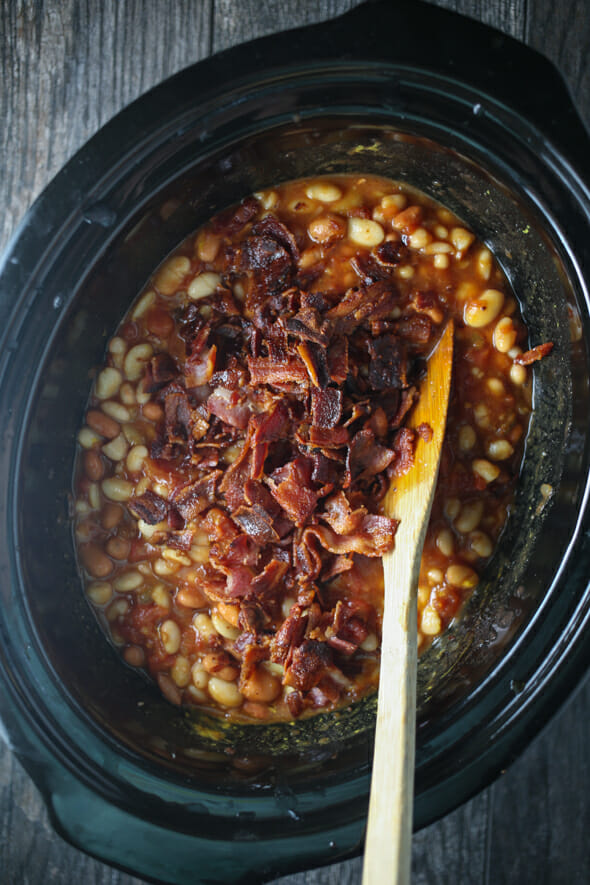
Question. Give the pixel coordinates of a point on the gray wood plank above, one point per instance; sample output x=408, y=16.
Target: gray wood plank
x=562, y=32
x=70, y=66
x=545, y=798
x=235, y=23
x=507, y=15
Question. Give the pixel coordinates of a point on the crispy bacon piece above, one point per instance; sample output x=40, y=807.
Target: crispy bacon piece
x=192, y=499
x=404, y=445
x=267, y=580
x=149, y=507
x=271, y=426
x=329, y=437
x=289, y=635
x=291, y=488
x=374, y=538
x=425, y=431
x=353, y=531
x=338, y=365
x=374, y=301
x=308, y=325
x=417, y=329
x=159, y=372
x=315, y=359
x=199, y=366
x=349, y=626
x=534, y=354
x=270, y=255
x=175, y=431
x=232, y=220
x=308, y=557
x=309, y=662
x=230, y=406
x=256, y=523
x=326, y=406
x=389, y=363
x=366, y=457
x=266, y=371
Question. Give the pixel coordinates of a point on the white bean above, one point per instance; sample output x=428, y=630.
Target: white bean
x=203, y=285
x=170, y=636
x=483, y=310
x=136, y=359
x=488, y=471
x=117, y=448
x=323, y=191
x=226, y=694
x=172, y=274
x=128, y=581
x=365, y=232
x=116, y=489
x=108, y=383
x=135, y=458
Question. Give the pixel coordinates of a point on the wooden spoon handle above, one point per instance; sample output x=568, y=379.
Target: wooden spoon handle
x=388, y=844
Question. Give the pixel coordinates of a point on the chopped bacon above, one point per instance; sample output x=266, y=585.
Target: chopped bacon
x=353, y=531
x=177, y=416
x=200, y=366
x=160, y=371
x=192, y=499
x=366, y=457
x=308, y=557
x=308, y=325
x=326, y=406
x=404, y=445
x=534, y=354
x=281, y=428
x=329, y=437
x=149, y=507
x=338, y=364
x=230, y=406
x=266, y=371
x=232, y=220
x=289, y=635
x=403, y=405
x=349, y=626
x=314, y=357
x=416, y=329
x=242, y=550
x=290, y=486
x=389, y=363
x=256, y=523
x=271, y=426
x=270, y=255
x=268, y=579
x=308, y=664
x=424, y=431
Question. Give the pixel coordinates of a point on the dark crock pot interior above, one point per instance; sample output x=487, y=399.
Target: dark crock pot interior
x=521, y=197
x=89, y=670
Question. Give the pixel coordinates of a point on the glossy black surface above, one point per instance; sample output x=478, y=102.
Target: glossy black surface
x=92, y=256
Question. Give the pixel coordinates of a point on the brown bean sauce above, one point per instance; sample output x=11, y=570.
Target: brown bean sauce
x=245, y=425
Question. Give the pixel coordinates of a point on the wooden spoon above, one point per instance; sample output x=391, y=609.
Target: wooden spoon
x=388, y=844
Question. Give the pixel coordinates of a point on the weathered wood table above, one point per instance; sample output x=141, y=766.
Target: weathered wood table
x=67, y=67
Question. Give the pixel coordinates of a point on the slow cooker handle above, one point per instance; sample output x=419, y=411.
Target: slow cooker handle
x=410, y=32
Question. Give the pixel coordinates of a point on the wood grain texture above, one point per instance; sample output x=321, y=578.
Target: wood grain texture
x=67, y=67
x=506, y=15
x=70, y=66
x=388, y=843
x=562, y=33
x=232, y=21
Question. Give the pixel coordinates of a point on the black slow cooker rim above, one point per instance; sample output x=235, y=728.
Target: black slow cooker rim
x=40, y=213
